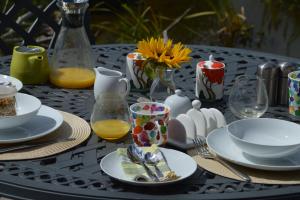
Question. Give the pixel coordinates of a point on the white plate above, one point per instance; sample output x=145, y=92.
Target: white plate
x=46, y=121
x=183, y=165
x=10, y=79
x=220, y=143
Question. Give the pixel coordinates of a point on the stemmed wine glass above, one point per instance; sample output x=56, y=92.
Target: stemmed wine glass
x=248, y=97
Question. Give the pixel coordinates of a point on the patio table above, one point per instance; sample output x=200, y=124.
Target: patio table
x=75, y=174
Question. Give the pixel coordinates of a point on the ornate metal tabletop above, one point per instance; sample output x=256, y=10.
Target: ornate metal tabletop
x=75, y=174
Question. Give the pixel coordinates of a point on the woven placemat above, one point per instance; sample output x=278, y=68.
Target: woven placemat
x=257, y=176
x=72, y=127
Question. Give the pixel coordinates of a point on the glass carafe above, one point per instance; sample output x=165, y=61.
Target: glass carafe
x=110, y=116
x=72, y=61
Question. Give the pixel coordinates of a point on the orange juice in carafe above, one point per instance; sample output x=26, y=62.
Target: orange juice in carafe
x=72, y=77
x=111, y=129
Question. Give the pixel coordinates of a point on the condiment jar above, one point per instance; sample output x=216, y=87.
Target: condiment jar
x=269, y=73
x=7, y=100
x=285, y=69
x=178, y=103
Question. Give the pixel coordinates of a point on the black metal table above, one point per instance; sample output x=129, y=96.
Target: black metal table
x=76, y=174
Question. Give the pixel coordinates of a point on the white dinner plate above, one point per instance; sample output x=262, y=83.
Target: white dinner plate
x=182, y=164
x=46, y=121
x=4, y=79
x=220, y=143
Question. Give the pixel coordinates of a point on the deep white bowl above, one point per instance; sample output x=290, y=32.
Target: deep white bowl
x=27, y=107
x=265, y=137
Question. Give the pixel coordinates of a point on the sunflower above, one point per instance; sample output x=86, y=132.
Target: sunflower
x=163, y=53
x=178, y=54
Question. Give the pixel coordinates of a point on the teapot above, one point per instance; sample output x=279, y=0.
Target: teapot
x=108, y=80
x=29, y=64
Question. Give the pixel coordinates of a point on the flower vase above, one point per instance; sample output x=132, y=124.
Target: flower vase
x=163, y=85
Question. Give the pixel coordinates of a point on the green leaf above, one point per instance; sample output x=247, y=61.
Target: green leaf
x=150, y=69
x=200, y=14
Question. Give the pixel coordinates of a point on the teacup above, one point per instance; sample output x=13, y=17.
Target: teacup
x=149, y=123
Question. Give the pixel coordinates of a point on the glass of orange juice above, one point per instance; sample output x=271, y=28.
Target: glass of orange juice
x=110, y=116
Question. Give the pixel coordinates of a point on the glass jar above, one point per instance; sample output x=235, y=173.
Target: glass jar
x=163, y=85
x=110, y=116
x=72, y=61
x=7, y=100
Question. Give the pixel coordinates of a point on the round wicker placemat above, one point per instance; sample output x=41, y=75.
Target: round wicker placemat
x=72, y=127
x=257, y=176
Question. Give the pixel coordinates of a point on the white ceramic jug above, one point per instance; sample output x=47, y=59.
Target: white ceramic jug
x=108, y=80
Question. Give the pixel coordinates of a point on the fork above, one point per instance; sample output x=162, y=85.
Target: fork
x=203, y=151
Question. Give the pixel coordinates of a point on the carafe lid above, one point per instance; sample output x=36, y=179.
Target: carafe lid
x=73, y=6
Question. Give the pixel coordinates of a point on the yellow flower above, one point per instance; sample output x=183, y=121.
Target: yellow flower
x=165, y=53
x=178, y=54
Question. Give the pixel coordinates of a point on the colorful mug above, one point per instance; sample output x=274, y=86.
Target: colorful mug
x=294, y=93
x=210, y=80
x=149, y=123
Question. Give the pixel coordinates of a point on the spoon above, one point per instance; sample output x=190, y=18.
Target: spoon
x=153, y=159
x=136, y=156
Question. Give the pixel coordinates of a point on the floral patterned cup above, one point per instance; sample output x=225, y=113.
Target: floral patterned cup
x=210, y=80
x=294, y=93
x=149, y=123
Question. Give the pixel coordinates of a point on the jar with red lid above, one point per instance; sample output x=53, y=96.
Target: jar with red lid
x=210, y=79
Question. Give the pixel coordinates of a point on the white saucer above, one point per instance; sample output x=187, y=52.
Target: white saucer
x=183, y=165
x=4, y=79
x=46, y=121
x=220, y=143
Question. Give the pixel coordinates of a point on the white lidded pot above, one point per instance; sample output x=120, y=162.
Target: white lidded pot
x=178, y=103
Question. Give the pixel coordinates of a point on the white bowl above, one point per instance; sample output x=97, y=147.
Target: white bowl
x=27, y=107
x=6, y=80
x=265, y=137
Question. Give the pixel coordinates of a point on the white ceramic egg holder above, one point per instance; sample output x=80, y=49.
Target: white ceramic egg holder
x=196, y=122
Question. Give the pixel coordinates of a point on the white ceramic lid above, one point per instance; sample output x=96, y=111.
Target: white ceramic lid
x=179, y=103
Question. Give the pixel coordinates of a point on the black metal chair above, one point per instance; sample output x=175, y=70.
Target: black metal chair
x=43, y=16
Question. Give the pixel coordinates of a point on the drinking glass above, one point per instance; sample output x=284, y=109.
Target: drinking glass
x=248, y=97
